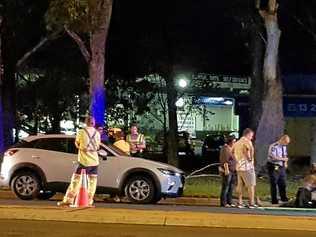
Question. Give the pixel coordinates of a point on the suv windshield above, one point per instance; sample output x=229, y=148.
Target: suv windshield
x=23, y=144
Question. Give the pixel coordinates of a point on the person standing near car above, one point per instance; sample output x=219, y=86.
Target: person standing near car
x=277, y=164
x=136, y=140
x=243, y=152
x=228, y=172
x=88, y=143
x=103, y=134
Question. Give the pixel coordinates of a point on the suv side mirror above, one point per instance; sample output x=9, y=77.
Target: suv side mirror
x=103, y=154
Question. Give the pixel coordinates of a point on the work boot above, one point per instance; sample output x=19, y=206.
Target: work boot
x=63, y=204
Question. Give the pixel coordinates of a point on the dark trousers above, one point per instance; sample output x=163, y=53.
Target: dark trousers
x=138, y=154
x=228, y=183
x=277, y=176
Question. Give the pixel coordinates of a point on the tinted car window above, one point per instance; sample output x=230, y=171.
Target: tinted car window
x=115, y=149
x=52, y=144
x=24, y=144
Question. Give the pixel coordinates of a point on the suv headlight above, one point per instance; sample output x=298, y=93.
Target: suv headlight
x=169, y=172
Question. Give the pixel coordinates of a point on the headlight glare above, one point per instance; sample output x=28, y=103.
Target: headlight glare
x=167, y=171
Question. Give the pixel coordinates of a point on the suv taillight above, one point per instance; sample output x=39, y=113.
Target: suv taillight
x=10, y=152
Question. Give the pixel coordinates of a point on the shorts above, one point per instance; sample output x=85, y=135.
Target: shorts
x=90, y=170
x=246, y=178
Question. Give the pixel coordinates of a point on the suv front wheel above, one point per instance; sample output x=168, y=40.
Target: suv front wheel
x=140, y=190
x=26, y=185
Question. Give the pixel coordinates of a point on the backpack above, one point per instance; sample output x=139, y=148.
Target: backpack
x=304, y=198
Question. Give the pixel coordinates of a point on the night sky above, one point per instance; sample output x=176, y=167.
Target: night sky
x=205, y=36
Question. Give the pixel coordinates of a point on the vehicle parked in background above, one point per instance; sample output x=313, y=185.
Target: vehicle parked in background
x=186, y=148
x=185, y=145
x=40, y=166
x=211, y=147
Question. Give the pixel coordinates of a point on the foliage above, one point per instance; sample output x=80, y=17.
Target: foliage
x=51, y=97
x=210, y=187
x=24, y=20
x=127, y=98
x=79, y=15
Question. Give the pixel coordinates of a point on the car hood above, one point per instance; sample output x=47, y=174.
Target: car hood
x=155, y=163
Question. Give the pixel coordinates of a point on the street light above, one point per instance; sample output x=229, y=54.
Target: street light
x=183, y=83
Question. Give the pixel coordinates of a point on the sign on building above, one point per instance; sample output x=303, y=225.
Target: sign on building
x=299, y=107
x=204, y=81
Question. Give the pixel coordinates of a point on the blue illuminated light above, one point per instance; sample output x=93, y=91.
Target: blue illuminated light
x=98, y=106
x=214, y=101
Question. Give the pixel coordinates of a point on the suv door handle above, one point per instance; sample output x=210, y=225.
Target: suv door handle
x=36, y=157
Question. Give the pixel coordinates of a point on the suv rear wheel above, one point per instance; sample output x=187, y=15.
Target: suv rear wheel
x=26, y=185
x=140, y=190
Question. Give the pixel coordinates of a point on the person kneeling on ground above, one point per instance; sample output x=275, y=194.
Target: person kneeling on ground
x=306, y=195
x=228, y=172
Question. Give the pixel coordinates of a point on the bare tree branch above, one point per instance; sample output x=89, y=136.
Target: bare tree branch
x=161, y=101
x=186, y=116
x=306, y=28
x=155, y=116
x=29, y=53
x=262, y=37
x=84, y=50
x=1, y=66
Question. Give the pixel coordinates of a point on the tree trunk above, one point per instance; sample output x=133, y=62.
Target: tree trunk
x=97, y=68
x=96, y=75
x=173, y=124
x=8, y=87
x=271, y=123
x=165, y=128
x=313, y=143
x=55, y=120
x=257, y=85
x=35, y=128
x=8, y=102
x=1, y=79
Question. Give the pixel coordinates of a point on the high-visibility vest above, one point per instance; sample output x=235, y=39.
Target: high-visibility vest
x=137, y=141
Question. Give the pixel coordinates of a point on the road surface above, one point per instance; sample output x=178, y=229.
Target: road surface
x=17, y=228
x=168, y=205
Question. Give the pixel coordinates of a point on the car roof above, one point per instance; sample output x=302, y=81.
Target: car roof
x=35, y=137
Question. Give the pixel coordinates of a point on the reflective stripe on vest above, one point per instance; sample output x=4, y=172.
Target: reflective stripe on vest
x=92, y=140
x=138, y=140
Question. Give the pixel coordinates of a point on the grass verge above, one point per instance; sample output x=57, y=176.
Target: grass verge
x=211, y=187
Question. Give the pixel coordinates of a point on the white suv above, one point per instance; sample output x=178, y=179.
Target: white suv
x=40, y=166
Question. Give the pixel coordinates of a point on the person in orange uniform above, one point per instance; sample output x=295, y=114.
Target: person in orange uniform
x=136, y=140
x=88, y=143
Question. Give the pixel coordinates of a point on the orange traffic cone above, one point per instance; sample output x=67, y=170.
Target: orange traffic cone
x=82, y=198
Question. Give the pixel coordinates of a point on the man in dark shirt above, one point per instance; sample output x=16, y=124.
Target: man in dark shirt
x=228, y=172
